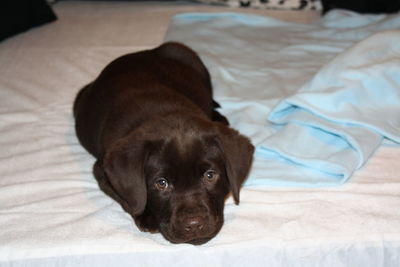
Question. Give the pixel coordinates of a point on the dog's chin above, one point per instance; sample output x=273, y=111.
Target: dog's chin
x=190, y=239
x=199, y=241
x=194, y=241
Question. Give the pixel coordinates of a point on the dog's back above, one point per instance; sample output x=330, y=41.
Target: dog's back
x=170, y=78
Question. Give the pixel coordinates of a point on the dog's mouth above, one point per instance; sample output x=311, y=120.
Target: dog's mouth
x=177, y=234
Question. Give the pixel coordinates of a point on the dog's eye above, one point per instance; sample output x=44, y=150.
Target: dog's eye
x=210, y=174
x=161, y=184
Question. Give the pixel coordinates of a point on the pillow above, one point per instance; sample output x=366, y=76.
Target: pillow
x=20, y=15
x=270, y=4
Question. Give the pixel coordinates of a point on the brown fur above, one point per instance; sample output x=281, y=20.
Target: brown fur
x=150, y=115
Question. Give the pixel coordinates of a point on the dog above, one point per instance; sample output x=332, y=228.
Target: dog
x=162, y=150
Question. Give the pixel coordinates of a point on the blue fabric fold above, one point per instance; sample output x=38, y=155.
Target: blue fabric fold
x=341, y=116
x=316, y=99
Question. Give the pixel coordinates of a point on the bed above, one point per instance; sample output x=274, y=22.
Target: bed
x=52, y=212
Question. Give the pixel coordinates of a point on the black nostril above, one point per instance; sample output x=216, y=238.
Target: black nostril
x=193, y=224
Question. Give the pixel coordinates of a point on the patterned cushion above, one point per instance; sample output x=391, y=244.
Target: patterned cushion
x=270, y=4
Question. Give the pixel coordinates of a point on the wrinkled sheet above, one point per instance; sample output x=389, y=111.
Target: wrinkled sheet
x=317, y=100
x=52, y=212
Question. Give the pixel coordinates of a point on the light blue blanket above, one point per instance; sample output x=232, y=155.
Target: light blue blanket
x=316, y=99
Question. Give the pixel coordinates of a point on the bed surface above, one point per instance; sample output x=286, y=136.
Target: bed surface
x=52, y=211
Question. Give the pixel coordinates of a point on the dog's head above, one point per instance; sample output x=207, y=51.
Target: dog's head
x=177, y=183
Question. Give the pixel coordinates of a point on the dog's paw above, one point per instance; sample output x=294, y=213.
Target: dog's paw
x=146, y=223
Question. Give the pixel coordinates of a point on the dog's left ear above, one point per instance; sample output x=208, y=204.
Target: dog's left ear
x=238, y=153
x=124, y=166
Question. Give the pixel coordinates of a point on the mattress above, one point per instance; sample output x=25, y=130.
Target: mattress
x=52, y=211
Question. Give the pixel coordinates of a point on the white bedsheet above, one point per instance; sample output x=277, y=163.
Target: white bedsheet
x=53, y=213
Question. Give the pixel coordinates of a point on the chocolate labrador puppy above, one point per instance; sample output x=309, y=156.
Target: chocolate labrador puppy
x=163, y=152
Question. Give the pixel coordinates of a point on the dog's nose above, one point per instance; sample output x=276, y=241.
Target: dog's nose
x=193, y=224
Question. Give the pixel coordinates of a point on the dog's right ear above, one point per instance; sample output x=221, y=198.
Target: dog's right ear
x=238, y=153
x=124, y=166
